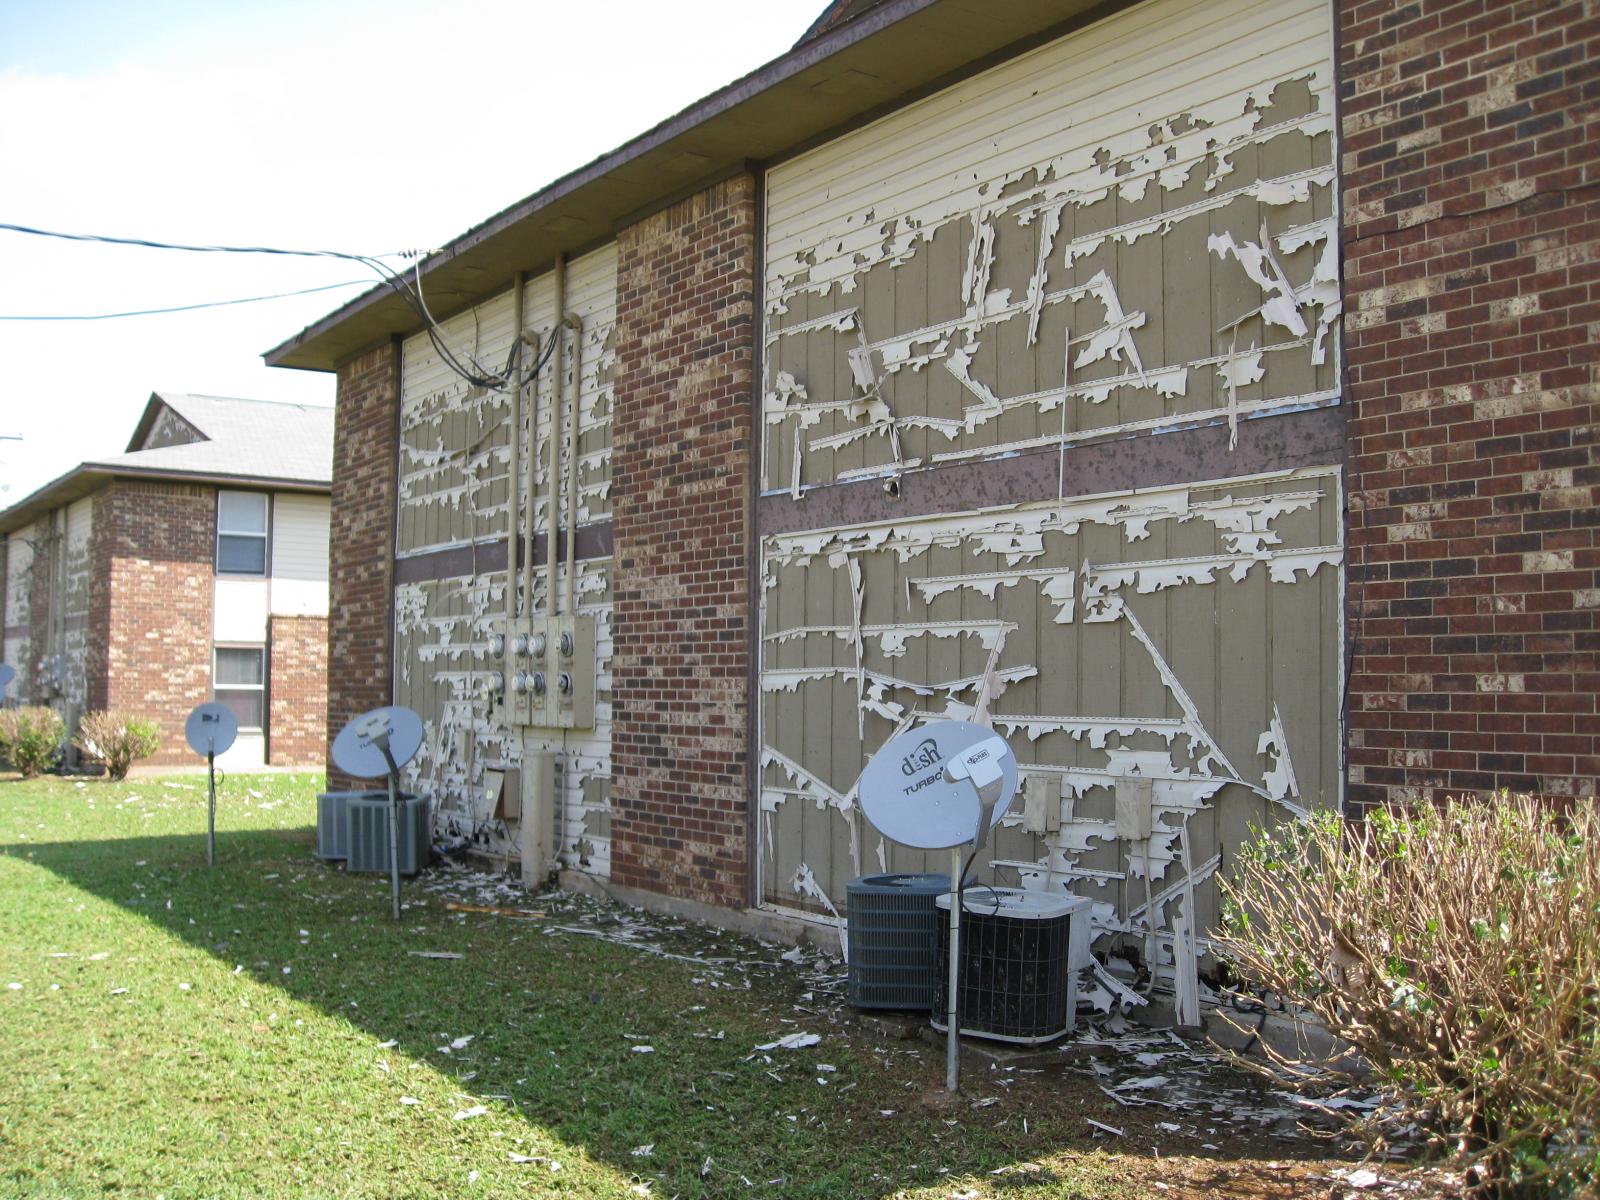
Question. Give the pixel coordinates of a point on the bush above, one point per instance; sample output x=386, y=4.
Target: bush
x=117, y=740
x=31, y=738
x=1456, y=949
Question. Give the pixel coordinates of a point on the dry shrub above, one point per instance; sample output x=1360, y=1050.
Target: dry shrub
x=31, y=738
x=1456, y=949
x=117, y=740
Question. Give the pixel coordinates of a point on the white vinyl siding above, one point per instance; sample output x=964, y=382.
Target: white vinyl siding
x=240, y=611
x=300, y=555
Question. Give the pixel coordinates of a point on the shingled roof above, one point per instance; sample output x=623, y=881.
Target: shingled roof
x=212, y=439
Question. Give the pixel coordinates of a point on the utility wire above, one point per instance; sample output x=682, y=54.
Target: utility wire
x=396, y=282
x=151, y=312
x=154, y=245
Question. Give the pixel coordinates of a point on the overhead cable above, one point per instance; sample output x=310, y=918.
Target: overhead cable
x=475, y=375
x=151, y=312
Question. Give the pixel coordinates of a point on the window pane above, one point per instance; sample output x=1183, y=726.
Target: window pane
x=242, y=555
x=245, y=706
x=242, y=512
x=239, y=667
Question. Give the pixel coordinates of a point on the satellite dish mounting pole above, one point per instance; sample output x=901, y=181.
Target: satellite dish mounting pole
x=382, y=743
x=211, y=807
x=952, y=1048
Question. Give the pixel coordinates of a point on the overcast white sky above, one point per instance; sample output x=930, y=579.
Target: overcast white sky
x=348, y=125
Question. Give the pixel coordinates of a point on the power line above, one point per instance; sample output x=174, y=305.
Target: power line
x=151, y=312
x=477, y=376
x=150, y=244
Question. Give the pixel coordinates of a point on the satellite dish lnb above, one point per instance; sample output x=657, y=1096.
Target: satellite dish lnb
x=211, y=728
x=359, y=748
x=928, y=788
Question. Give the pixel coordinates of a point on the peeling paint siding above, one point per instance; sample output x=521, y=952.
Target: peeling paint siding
x=17, y=612
x=454, y=446
x=73, y=641
x=1130, y=229
x=453, y=492
x=1197, y=646
x=442, y=631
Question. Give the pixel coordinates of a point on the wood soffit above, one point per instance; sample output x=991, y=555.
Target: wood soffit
x=901, y=48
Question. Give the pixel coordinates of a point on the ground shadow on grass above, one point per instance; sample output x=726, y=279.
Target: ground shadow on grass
x=558, y=1021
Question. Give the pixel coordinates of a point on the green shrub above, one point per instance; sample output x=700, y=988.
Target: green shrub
x=31, y=738
x=117, y=740
x=1456, y=949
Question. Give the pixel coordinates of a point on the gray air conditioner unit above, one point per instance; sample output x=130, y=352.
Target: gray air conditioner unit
x=333, y=822
x=894, y=929
x=367, y=840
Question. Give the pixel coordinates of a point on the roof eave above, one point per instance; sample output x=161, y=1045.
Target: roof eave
x=87, y=478
x=900, y=48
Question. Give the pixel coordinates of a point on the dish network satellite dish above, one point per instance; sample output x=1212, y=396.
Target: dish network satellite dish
x=941, y=787
x=379, y=743
x=210, y=729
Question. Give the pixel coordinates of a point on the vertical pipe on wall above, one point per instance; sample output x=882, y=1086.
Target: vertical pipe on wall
x=555, y=442
x=514, y=470
x=528, y=503
x=575, y=323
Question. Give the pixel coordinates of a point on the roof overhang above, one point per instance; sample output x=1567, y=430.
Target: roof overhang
x=901, y=49
x=88, y=478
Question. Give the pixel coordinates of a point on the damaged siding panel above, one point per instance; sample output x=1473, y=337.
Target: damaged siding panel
x=17, y=615
x=455, y=447
x=454, y=489
x=75, y=579
x=1184, y=635
x=442, y=629
x=1070, y=245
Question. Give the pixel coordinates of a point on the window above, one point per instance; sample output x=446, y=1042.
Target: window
x=242, y=533
x=239, y=682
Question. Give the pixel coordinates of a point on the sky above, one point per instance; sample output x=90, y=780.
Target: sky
x=346, y=125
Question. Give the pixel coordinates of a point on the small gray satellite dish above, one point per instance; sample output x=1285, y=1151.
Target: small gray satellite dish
x=211, y=728
x=7, y=674
x=928, y=787
x=358, y=750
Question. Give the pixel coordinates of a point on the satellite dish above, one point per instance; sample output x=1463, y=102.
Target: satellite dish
x=211, y=728
x=927, y=788
x=7, y=674
x=358, y=750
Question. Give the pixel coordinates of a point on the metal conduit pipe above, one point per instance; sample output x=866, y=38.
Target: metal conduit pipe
x=575, y=323
x=555, y=442
x=514, y=470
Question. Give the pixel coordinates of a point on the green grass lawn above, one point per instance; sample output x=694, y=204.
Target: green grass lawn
x=265, y=1029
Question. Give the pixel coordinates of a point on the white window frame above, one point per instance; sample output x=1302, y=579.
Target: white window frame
x=261, y=688
x=264, y=534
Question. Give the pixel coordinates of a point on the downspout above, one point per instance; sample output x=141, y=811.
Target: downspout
x=514, y=471
x=575, y=323
x=528, y=504
x=555, y=443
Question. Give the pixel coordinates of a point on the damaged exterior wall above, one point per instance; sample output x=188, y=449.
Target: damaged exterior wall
x=1128, y=233
x=16, y=636
x=453, y=492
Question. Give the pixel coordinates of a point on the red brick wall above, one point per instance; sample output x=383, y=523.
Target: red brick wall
x=297, y=684
x=1472, y=251
x=361, y=541
x=153, y=548
x=680, y=493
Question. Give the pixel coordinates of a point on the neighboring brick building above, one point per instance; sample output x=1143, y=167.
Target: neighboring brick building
x=1207, y=384
x=193, y=567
